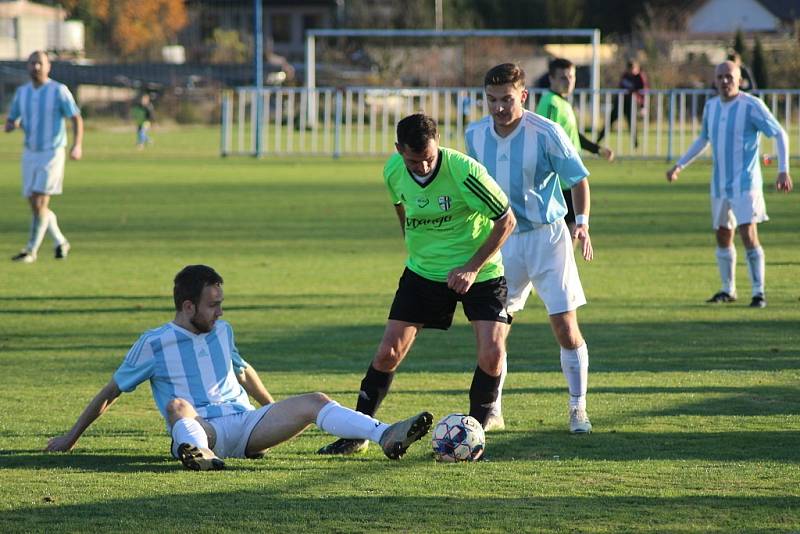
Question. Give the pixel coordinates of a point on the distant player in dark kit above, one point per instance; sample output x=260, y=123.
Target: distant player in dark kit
x=454, y=218
x=143, y=114
x=634, y=81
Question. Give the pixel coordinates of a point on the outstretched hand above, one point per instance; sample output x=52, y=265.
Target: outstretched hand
x=673, y=173
x=582, y=234
x=606, y=153
x=784, y=182
x=59, y=444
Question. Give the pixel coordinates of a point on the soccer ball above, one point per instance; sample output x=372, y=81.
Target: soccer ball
x=458, y=438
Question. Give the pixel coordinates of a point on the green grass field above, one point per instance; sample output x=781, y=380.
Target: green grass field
x=696, y=408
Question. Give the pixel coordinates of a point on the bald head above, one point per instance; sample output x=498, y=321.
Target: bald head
x=727, y=77
x=38, y=67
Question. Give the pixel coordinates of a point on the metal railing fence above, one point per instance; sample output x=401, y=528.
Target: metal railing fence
x=360, y=121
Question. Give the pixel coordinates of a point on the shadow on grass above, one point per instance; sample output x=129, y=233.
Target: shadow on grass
x=777, y=445
x=260, y=510
x=645, y=346
x=103, y=461
x=605, y=444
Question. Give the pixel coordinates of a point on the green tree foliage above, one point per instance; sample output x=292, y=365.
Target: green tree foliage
x=760, y=65
x=226, y=47
x=133, y=29
x=738, y=45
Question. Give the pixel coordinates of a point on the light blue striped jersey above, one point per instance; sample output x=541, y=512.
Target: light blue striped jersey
x=43, y=111
x=200, y=368
x=733, y=128
x=527, y=164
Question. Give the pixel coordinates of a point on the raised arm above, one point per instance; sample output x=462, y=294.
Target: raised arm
x=461, y=278
x=97, y=407
x=252, y=384
x=595, y=148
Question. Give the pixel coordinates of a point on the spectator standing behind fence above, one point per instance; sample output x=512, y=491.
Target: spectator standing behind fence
x=144, y=114
x=39, y=108
x=634, y=81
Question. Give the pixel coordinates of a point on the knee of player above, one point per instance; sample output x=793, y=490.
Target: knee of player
x=493, y=353
x=387, y=358
x=570, y=338
x=568, y=334
x=319, y=398
x=179, y=407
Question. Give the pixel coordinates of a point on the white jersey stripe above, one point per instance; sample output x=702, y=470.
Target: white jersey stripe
x=42, y=112
x=734, y=130
x=527, y=164
x=161, y=363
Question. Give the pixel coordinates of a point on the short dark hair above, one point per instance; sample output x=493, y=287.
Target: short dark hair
x=505, y=73
x=559, y=63
x=416, y=131
x=190, y=282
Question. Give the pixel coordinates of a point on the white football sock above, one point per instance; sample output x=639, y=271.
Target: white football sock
x=349, y=424
x=186, y=430
x=575, y=366
x=55, y=231
x=497, y=408
x=755, y=267
x=726, y=261
x=38, y=228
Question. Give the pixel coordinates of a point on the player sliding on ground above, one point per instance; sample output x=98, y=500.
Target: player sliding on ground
x=201, y=385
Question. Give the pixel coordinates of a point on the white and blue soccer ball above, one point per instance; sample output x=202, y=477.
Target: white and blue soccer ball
x=458, y=438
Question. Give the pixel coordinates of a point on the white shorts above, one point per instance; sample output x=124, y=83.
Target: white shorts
x=233, y=432
x=543, y=259
x=43, y=172
x=731, y=212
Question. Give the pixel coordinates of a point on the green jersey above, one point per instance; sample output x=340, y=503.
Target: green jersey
x=449, y=217
x=554, y=107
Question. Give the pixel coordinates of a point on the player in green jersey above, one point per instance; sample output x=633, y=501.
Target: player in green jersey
x=454, y=218
x=555, y=106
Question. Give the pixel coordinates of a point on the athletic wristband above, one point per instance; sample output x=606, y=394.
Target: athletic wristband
x=582, y=220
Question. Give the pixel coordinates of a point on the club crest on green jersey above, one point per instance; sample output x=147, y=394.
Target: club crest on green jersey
x=444, y=202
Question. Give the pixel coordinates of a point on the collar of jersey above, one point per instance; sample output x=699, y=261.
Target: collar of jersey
x=189, y=333
x=433, y=174
x=513, y=134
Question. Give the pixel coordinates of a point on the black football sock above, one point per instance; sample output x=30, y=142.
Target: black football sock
x=374, y=388
x=482, y=394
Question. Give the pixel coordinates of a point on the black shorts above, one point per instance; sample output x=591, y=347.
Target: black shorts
x=570, y=216
x=432, y=304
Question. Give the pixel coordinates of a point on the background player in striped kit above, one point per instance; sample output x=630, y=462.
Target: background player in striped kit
x=732, y=124
x=41, y=107
x=529, y=155
x=200, y=384
x=454, y=219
